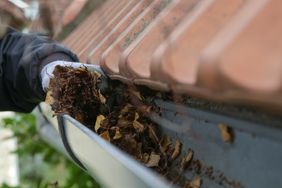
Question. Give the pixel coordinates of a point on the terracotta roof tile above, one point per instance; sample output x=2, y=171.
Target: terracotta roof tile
x=249, y=45
x=137, y=57
x=85, y=26
x=179, y=61
x=106, y=29
x=217, y=49
x=102, y=44
x=112, y=55
x=244, y=61
x=99, y=21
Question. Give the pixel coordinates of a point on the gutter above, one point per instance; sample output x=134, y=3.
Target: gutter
x=110, y=166
x=252, y=159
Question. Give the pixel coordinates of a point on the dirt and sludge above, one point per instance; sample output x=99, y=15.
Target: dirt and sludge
x=120, y=114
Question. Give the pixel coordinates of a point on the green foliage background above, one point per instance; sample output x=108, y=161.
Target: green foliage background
x=40, y=165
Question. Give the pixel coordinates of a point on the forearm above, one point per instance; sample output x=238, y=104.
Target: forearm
x=22, y=56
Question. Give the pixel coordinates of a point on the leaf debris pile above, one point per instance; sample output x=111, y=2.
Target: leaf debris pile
x=73, y=92
x=120, y=115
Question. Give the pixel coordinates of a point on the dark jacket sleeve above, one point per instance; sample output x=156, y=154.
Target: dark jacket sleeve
x=22, y=56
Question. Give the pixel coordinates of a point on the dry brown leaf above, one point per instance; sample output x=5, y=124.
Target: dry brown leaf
x=137, y=94
x=99, y=120
x=145, y=109
x=101, y=97
x=79, y=70
x=145, y=157
x=136, y=116
x=105, y=135
x=79, y=117
x=153, y=160
x=118, y=135
x=226, y=133
x=125, y=110
x=186, y=160
x=152, y=134
x=97, y=74
x=123, y=122
x=49, y=99
x=164, y=143
x=196, y=182
x=138, y=126
x=177, y=150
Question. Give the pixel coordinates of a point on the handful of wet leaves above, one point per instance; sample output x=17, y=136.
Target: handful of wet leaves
x=120, y=115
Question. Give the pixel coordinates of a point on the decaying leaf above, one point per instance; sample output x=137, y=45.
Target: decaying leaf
x=164, y=143
x=186, y=160
x=152, y=134
x=125, y=110
x=101, y=97
x=194, y=183
x=136, y=116
x=74, y=92
x=226, y=133
x=49, y=98
x=145, y=158
x=146, y=109
x=118, y=135
x=79, y=117
x=105, y=135
x=99, y=120
x=98, y=75
x=177, y=150
x=153, y=160
x=123, y=122
x=137, y=94
x=136, y=124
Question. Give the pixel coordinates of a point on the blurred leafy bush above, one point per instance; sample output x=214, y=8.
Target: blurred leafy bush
x=40, y=165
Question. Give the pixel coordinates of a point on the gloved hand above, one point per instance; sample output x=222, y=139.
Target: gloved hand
x=47, y=72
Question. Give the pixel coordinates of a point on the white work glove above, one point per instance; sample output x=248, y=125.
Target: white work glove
x=47, y=71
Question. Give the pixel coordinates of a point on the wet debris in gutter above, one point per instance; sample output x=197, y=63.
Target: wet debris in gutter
x=194, y=183
x=186, y=160
x=177, y=150
x=120, y=115
x=72, y=94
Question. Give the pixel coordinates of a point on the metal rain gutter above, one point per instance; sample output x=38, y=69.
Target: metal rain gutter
x=110, y=166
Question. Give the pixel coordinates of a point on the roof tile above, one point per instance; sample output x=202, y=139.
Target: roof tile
x=249, y=45
x=179, y=60
x=98, y=21
x=216, y=49
x=111, y=56
x=244, y=61
x=137, y=57
x=106, y=29
x=84, y=27
x=102, y=44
